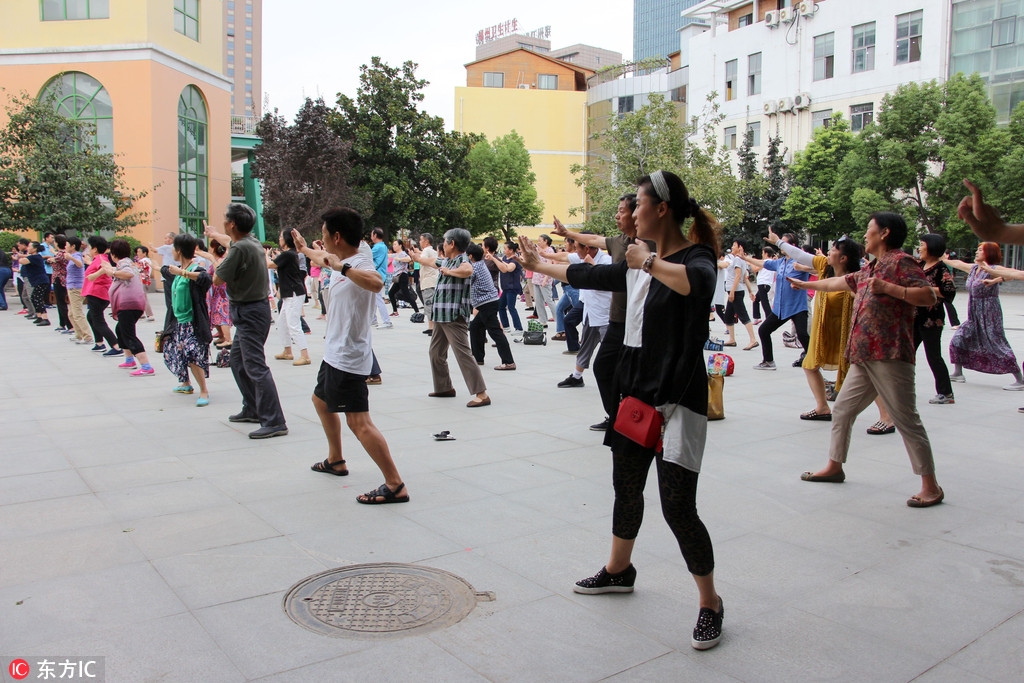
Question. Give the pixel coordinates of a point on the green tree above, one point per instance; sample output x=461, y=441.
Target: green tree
x=403, y=160
x=813, y=205
x=304, y=168
x=53, y=178
x=763, y=192
x=499, y=191
x=652, y=138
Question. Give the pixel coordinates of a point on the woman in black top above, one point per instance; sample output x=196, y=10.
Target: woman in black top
x=662, y=364
x=33, y=271
x=929, y=319
x=291, y=281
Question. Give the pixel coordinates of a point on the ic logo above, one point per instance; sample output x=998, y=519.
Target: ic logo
x=19, y=669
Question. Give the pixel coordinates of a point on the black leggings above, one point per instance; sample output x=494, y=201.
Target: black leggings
x=954, y=319
x=400, y=290
x=678, y=488
x=60, y=293
x=40, y=297
x=930, y=336
x=94, y=315
x=761, y=301
x=772, y=323
x=125, y=330
x=736, y=310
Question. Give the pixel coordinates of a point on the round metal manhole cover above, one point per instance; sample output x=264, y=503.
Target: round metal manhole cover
x=380, y=600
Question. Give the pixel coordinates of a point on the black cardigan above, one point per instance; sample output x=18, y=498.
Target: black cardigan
x=200, y=312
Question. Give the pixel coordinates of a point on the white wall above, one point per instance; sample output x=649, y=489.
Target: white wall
x=787, y=63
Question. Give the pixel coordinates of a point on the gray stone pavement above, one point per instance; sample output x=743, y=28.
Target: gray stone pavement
x=140, y=528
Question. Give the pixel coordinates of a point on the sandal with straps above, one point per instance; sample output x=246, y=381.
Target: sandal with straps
x=383, y=491
x=328, y=467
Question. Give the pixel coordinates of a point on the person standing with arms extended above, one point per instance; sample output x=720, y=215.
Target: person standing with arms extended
x=661, y=364
x=244, y=271
x=880, y=351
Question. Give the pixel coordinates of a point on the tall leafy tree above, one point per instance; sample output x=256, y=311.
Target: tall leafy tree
x=403, y=160
x=52, y=177
x=763, y=191
x=304, y=168
x=499, y=192
x=812, y=204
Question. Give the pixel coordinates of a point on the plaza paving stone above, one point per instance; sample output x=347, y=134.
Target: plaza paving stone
x=138, y=527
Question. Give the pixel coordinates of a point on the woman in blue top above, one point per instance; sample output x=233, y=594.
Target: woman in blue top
x=790, y=303
x=33, y=271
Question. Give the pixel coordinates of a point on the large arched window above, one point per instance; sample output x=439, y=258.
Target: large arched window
x=81, y=97
x=192, y=160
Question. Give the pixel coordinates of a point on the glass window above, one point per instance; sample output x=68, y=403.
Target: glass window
x=864, y=47
x=679, y=94
x=81, y=97
x=730, y=137
x=625, y=104
x=192, y=161
x=60, y=10
x=186, y=18
x=248, y=35
x=821, y=119
x=231, y=44
x=730, y=80
x=547, y=81
x=908, y=37
x=755, y=128
x=248, y=74
x=248, y=87
x=746, y=20
x=824, y=56
x=248, y=21
x=754, y=74
x=1004, y=31
x=248, y=61
x=231, y=71
x=861, y=115
x=494, y=79
x=231, y=5
x=231, y=59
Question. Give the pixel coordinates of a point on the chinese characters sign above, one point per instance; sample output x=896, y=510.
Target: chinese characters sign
x=499, y=30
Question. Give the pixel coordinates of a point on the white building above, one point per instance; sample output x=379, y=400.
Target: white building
x=786, y=71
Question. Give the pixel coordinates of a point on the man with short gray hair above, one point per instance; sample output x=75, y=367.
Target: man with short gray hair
x=451, y=311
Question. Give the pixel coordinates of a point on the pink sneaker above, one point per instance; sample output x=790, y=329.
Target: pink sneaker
x=142, y=371
x=127, y=364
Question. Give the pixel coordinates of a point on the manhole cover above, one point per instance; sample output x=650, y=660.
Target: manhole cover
x=380, y=600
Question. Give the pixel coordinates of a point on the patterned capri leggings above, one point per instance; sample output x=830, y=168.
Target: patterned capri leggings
x=678, y=489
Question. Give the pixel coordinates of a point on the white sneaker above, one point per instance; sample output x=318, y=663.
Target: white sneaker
x=957, y=378
x=1016, y=386
x=386, y=326
x=764, y=365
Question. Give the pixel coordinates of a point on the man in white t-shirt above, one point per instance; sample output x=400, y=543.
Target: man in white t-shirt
x=736, y=284
x=596, y=306
x=428, y=278
x=348, y=355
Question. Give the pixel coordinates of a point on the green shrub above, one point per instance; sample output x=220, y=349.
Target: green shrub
x=8, y=240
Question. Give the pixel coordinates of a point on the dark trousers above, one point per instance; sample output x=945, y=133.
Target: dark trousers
x=931, y=338
x=5, y=276
x=772, y=323
x=954, y=319
x=605, y=363
x=761, y=300
x=40, y=297
x=60, y=293
x=249, y=363
x=736, y=310
x=127, y=339
x=400, y=290
x=572, y=331
x=170, y=322
x=678, y=489
x=97, y=322
x=508, y=308
x=21, y=284
x=486, y=322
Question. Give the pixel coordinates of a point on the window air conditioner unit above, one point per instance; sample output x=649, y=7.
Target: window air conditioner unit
x=806, y=8
x=785, y=104
x=524, y=86
x=802, y=101
x=787, y=15
x=771, y=107
x=771, y=19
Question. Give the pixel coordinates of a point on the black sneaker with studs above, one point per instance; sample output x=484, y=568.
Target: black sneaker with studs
x=605, y=582
x=708, y=630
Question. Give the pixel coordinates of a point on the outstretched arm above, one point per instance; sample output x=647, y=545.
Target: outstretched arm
x=959, y=265
x=829, y=284
x=590, y=240
x=985, y=221
x=1003, y=272
x=530, y=258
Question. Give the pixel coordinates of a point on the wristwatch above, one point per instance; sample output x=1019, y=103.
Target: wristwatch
x=646, y=266
x=345, y=268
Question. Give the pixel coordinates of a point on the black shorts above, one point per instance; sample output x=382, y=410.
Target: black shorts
x=342, y=391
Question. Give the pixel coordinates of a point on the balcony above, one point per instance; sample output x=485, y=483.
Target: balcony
x=244, y=125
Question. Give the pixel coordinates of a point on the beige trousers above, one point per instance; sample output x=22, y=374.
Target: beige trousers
x=456, y=335
x=77, y=315
x=893, y=380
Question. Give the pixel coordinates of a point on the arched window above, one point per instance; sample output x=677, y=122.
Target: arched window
x=192, y=160
x=81, y=97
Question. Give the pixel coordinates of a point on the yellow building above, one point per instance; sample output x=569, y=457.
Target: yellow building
x=148, y=74
x=545, y=101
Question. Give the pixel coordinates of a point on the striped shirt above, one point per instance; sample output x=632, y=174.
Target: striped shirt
x=451, y=295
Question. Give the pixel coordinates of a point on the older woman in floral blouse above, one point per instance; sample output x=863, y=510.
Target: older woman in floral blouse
x=881, y=351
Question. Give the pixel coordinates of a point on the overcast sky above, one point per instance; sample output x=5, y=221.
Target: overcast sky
x=315, y=47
